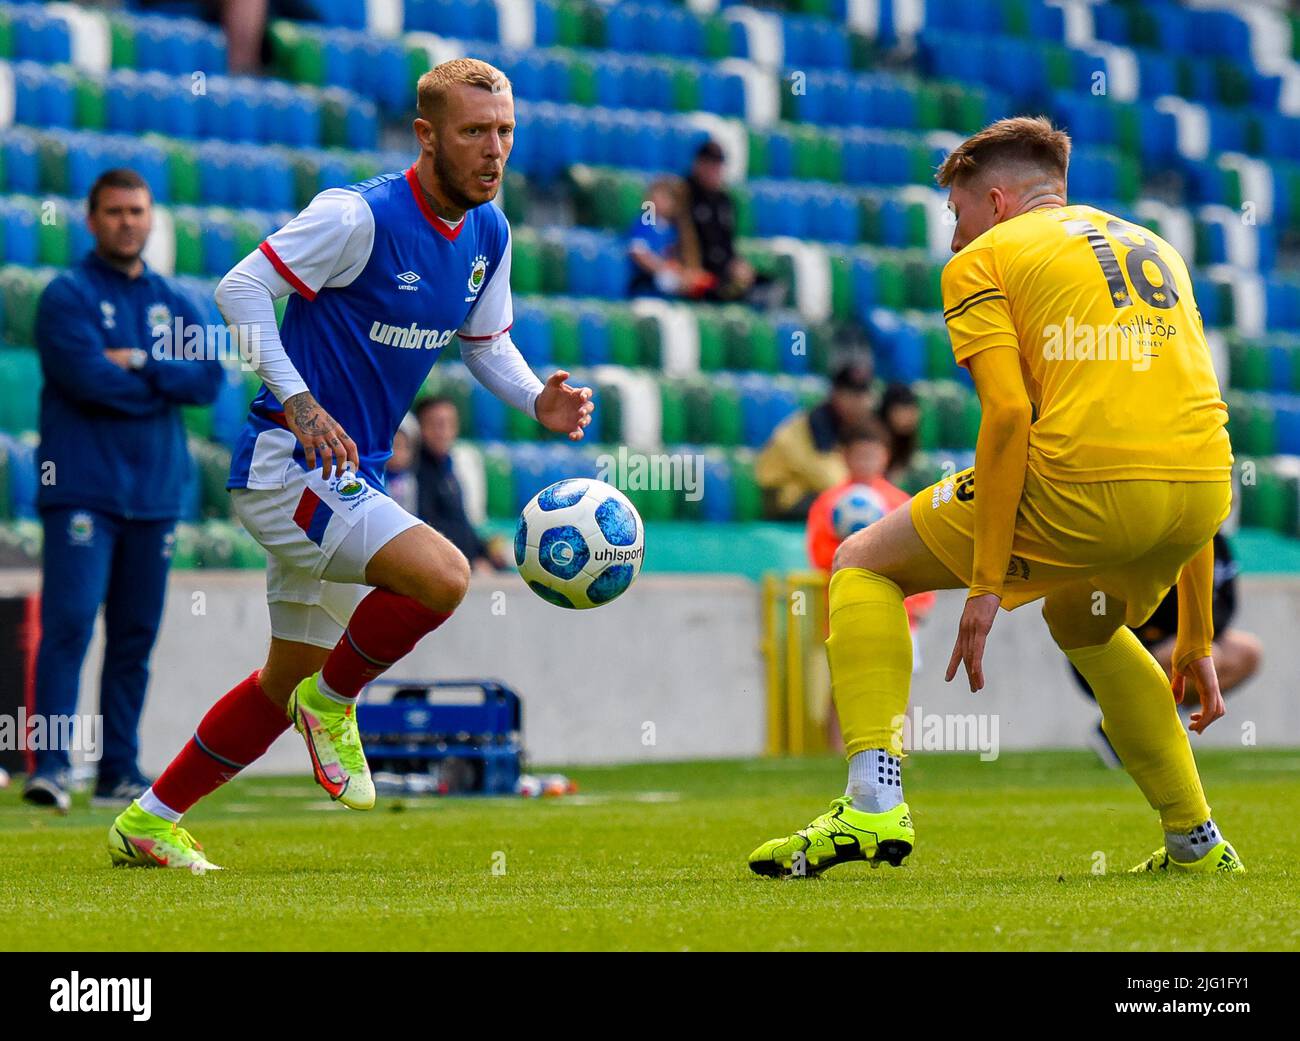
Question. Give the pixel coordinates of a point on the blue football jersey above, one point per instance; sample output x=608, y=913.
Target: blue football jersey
x=381, y=285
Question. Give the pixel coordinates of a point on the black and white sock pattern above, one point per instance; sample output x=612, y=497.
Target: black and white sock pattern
x=875, y=781
x=1187, y=846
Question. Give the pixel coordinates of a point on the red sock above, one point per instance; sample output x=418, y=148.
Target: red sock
x=237, y=730
x=384, y=628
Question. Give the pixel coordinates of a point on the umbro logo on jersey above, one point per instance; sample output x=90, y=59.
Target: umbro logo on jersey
x=408, y=280
x=410, y=337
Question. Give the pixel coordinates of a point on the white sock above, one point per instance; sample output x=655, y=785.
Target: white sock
x=1187, y=846
x=333, y=695
x=875, y=781
x=150, y=803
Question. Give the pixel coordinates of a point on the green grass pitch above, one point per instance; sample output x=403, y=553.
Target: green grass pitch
x=653, y=857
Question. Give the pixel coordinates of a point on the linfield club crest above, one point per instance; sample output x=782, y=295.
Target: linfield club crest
x=478, y=274
x=158, y=315
x=81, y=529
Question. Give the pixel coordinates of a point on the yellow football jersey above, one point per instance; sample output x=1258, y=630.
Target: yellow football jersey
x=1111, y=346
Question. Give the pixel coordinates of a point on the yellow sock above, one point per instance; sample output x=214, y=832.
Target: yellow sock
x=870, y=652
x=1141, y=720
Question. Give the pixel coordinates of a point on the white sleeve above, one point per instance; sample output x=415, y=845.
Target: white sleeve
x=498, y=365
x=326, y=245
x=495, y=311
x=246, y=297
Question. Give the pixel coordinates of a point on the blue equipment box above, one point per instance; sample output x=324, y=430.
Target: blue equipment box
x=442, y=736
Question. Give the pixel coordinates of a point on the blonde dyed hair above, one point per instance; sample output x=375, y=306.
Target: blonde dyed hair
x=434, y=85
x=1022, y=141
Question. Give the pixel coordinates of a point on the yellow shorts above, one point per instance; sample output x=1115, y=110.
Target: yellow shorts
x=1129, y=539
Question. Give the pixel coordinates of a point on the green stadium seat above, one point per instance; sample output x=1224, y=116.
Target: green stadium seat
x=738, y=324
x=685, y=89
x=649, y=348
x=20, y=385
x=939, y=361
x=188, y=229
x=554, y=263
x=582, y=83
x=724, y=415
x=1249, y=365
x=698, y=398
x=672, y=401
x=712, y=337
x=500, y=485
x=565, y=347
x=1251, y=424
x=748, y=497
x=624, y=340
x=842, y=289
x=91, y=106
x=929, y=431
x=821, y=346
x=891, y=284
x=525, y=262
x=759, y=157
x=609, y=411
x=743, y=203
x=520, y=427
x=54, y=240
x=762, y=351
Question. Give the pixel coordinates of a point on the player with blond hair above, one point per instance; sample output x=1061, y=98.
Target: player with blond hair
x=1102, y=471
x=380, y=276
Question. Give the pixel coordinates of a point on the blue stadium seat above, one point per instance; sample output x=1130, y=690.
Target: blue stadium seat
x=594, y=346
x=43, y=97
x=718, y=504
x=20, y=234
x=38, y=36
x=21, y=167
x=487, y=416
x=791, y=362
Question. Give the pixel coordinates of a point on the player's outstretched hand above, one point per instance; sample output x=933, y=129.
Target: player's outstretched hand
x=1206, y=680
x=564, y=409
x=972, y=631
x=319, y=434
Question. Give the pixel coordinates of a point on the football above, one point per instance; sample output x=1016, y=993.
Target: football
x=579, y=543
x=857, y=508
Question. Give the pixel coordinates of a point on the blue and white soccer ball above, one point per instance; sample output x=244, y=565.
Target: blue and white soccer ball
x=579, y=543
x=859, y=507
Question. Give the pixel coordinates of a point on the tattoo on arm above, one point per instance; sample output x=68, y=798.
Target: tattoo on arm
x=306, y=412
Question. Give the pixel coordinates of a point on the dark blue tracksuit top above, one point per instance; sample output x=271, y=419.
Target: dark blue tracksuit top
x=115, y=435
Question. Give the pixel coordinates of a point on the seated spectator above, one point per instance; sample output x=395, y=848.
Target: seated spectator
x=439, y=498
x=803, y=458
x=901, y=413
x=665, y=254
x=713, y=218
x=399, y=471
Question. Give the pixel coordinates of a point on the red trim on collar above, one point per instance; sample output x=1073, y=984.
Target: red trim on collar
x=282, y=268
x=439, y=225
